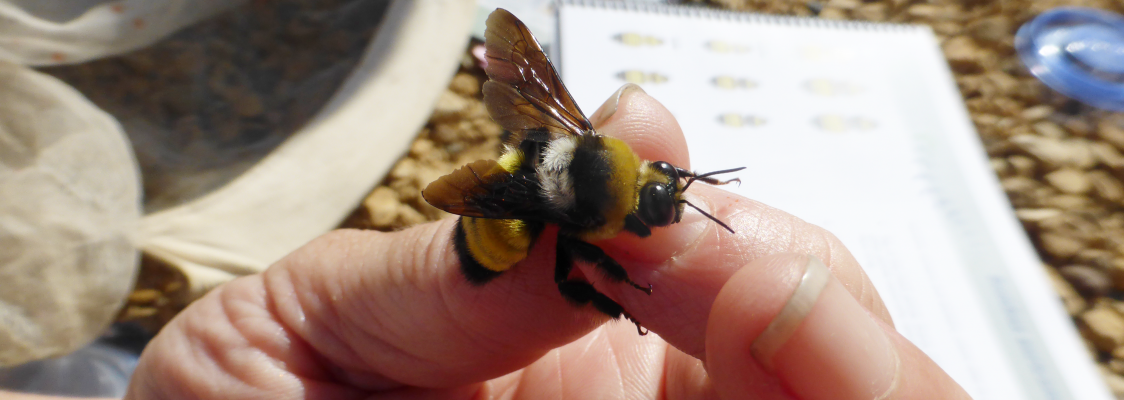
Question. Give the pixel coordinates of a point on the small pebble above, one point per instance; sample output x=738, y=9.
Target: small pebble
x=382, y=205
x=1049, y=129
x=1061, y=246
x=1107, y=155
x=1057, y=153
x=1037, y=214
x=871, y=12
x=962, y=53
x=832, y=13
x=1001, y=167
x=934, y=11
x=1089, y=281
x=996, y=30
x=1111, y=132
x=1037, y=112
x=1106, y=327
x=1068, y=202
x=844, y=4
x=465, y=84
x=144, y=296
x=405, y=169
x=134, y=313
x=1106, y=186
x=1069, y=180
x=449, y=105
x=1023, y=166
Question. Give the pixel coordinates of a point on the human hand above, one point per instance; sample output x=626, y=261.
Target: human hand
x=358, y=314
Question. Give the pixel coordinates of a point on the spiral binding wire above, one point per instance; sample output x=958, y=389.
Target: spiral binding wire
x=737, y=16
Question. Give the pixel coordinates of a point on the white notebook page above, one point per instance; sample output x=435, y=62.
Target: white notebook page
x=857, y=128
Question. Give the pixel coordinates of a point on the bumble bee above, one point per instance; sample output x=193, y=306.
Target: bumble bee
x=555, y=169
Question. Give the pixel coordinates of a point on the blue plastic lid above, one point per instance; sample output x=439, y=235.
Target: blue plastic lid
x=1078, y=52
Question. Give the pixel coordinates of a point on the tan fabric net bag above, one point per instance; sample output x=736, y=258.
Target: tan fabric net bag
x=70, y=219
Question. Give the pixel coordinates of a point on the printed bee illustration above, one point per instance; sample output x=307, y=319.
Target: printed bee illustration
x=557, y=170
x=640, y=77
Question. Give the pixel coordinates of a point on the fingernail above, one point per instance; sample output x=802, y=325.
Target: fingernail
x=608, y=108
x=792, y=315
x=825, y=345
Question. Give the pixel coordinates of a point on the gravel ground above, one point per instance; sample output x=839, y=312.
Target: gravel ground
x=1059, y=161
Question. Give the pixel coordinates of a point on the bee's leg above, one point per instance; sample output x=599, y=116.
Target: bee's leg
x=581, y=293
x=633, y=224
x=639, y=329
x=594, y=255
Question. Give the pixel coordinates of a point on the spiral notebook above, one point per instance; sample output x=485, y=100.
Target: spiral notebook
x=859, y=128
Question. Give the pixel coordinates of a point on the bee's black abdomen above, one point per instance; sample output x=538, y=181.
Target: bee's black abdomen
x=473, y=271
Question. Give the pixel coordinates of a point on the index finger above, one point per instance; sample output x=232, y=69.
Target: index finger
x=689, y=262
x=396, y=309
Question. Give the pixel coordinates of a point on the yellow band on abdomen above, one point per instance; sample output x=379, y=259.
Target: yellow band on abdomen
x=496, y=244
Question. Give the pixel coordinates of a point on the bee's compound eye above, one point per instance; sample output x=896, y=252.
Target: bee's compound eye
x=667, y=169
x=657, y=207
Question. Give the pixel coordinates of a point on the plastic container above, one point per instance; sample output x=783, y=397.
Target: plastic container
x=1078, y=52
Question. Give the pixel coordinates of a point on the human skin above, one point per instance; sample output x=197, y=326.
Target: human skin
x=361, y=314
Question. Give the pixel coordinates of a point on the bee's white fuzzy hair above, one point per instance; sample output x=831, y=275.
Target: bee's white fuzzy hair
x=557, y=186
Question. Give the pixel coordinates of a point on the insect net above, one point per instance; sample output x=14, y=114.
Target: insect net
x=73, y=220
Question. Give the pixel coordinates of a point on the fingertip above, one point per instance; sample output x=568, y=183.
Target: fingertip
x=921, y=377
x=784, y=325
x=648, y=127
x=743, y=309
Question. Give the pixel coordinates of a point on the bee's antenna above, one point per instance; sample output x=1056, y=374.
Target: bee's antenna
x=708, y=215
x=706, y=178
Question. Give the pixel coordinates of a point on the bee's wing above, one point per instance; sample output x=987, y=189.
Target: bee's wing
x=483, y=189
x=524, y=93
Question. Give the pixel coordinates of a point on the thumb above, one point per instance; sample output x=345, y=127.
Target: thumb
x=784, y=324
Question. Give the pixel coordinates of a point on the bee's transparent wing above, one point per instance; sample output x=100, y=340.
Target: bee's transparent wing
x=483, y=189
x=525, y=93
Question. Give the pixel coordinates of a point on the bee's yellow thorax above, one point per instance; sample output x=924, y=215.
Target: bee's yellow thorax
x=623, y=188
